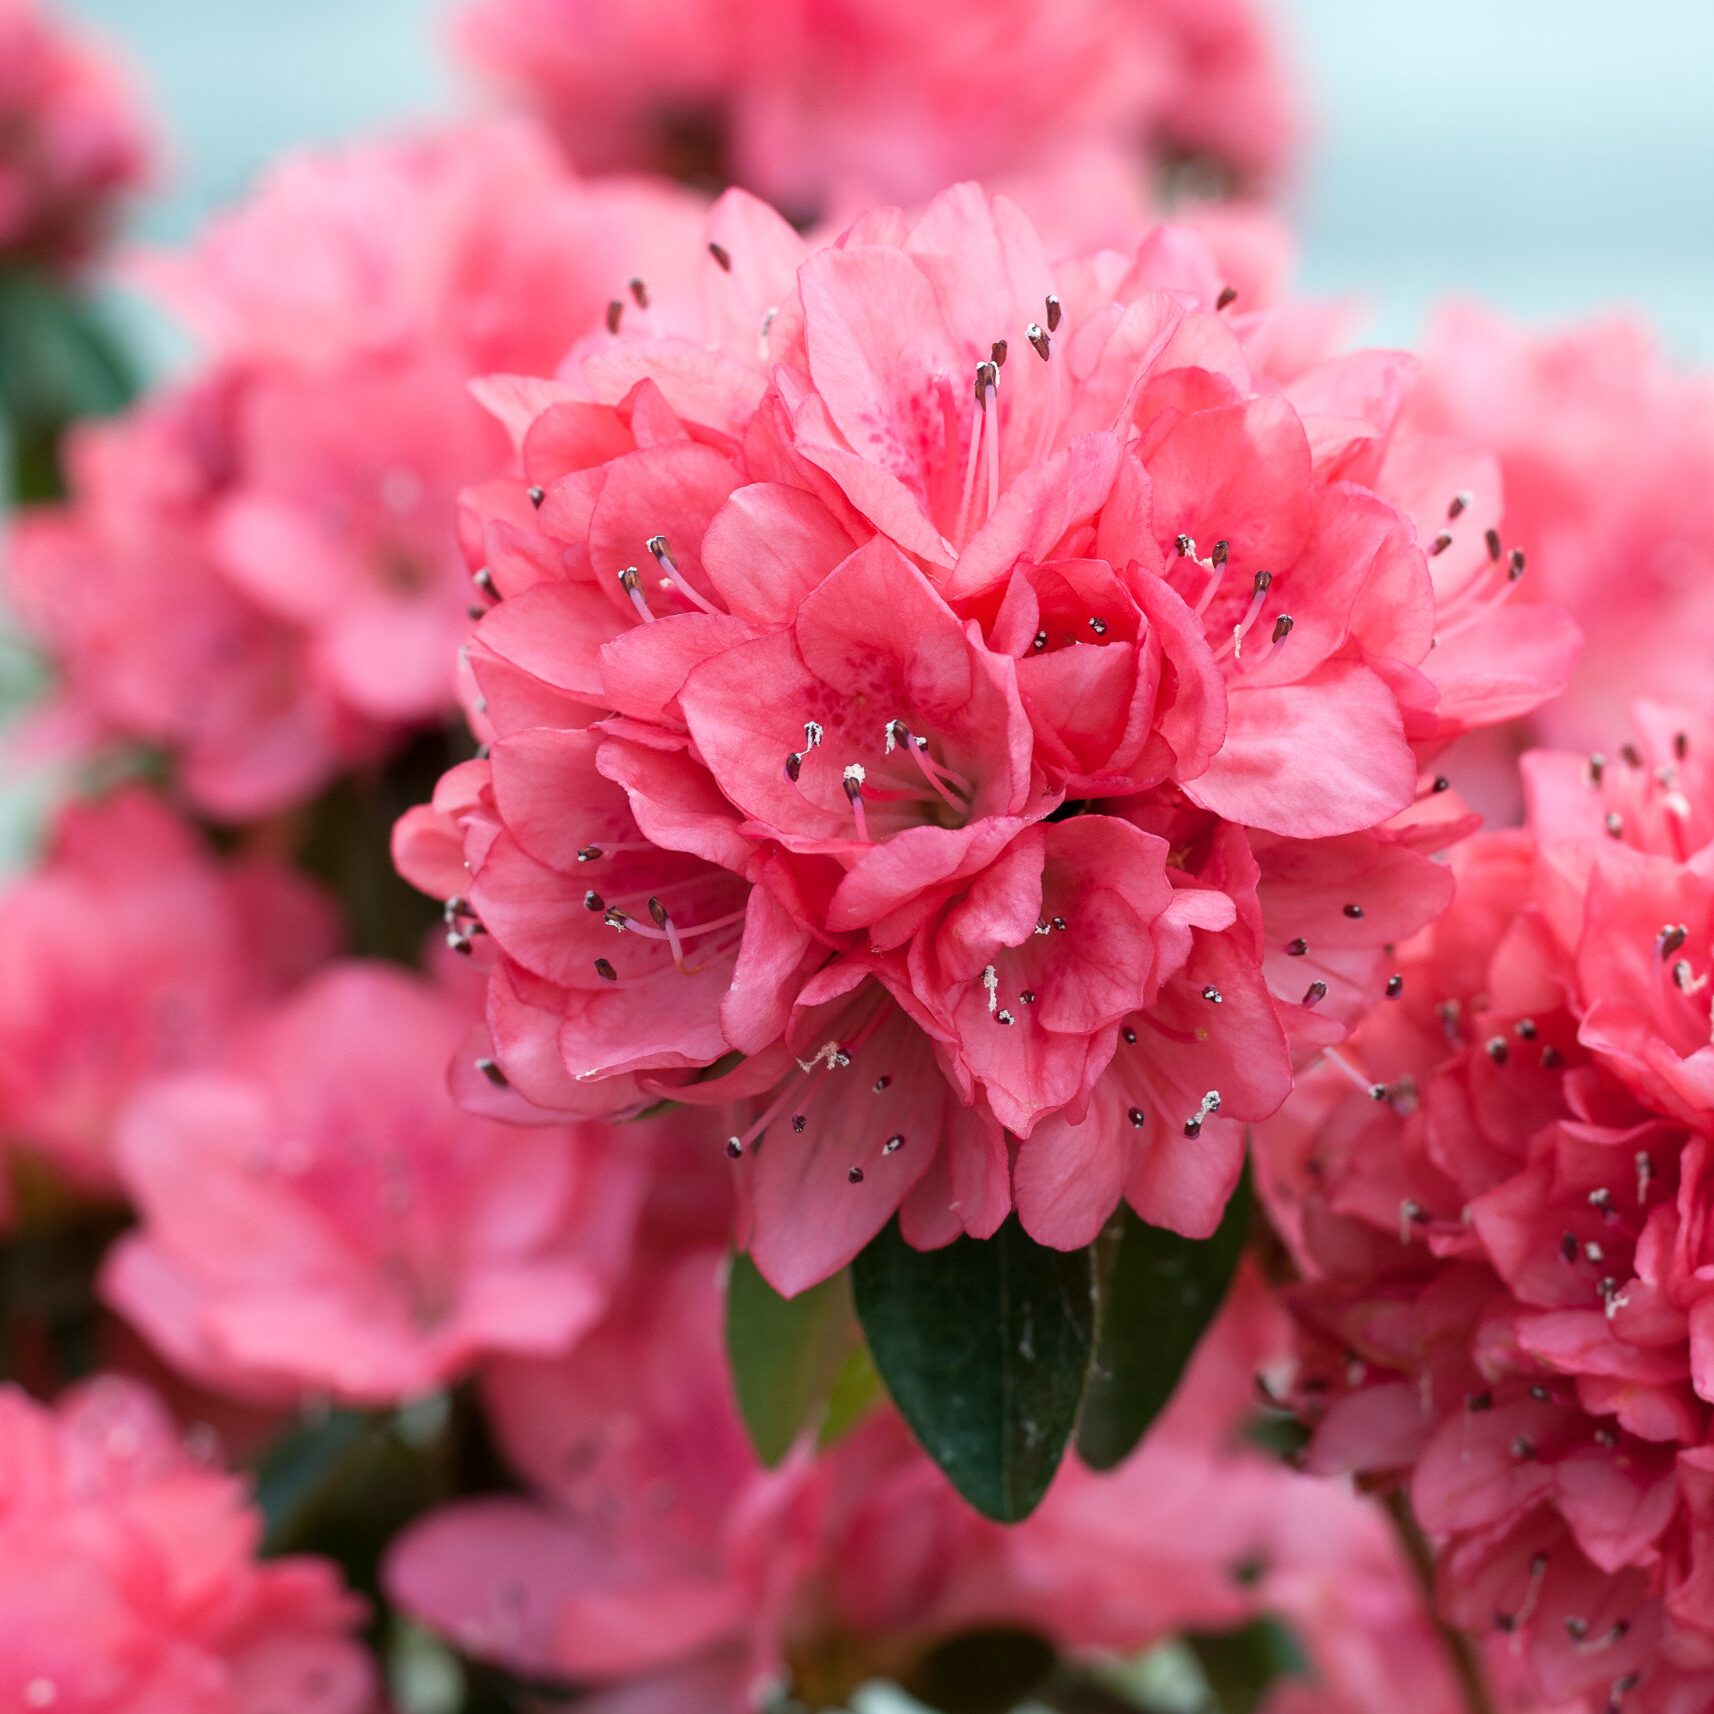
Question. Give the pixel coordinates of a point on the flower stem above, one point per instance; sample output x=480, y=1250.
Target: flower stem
x=1460, y=1650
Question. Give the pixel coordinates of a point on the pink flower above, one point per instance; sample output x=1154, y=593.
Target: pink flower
x=260, y=570
x=131, y=953
x=317, y=1214
x=809, y=103
x=71, y=140
x=1505, y=1233
x=653, y=1558
x=129, y=1582
x=474, y=244
x=1608, y=456
x=931, y=765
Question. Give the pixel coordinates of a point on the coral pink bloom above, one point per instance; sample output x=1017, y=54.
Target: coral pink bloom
x=260, y=571
x=71, y=140
x=122, y=590
x=1608, y=457
x=653, y=1559
x=129, y=1582
x=319, y=1215
x=1504, y=1223
x=474, y=242
x=134, y=953
x=808, y=102
x=961, y=685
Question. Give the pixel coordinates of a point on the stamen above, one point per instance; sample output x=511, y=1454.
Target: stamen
x=721, y=255
x=632, y=584
x=675, y=579
x=615, y=309
x=1375, y=1091
x=490, y=1069
x=853, y=783
x=1054, y=311
x=1228, y=295
x=1210, y=1103
x=991, y=981
x=1258, y=595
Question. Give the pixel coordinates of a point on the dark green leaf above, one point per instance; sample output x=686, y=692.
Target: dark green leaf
x=786, y=1353
x=58, y=362
x=985, y=1349
x=301, y=1465
x=1242, y=1666
x=981, y=1672
x=1157, y=1299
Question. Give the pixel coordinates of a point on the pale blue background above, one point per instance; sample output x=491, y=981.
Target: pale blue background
x=1549, y=155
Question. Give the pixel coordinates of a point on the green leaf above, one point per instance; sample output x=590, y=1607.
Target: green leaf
x=986, y=1671
x=1242, y=1666
x=301, y=1465
x=58, y=362
x=856, y=1390
x=1157, y=1300
x=985, y=1349
x=786, y=1353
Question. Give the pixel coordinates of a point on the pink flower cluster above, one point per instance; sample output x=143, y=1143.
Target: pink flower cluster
x=129, y=1582
x=1607, y=451
x=654, y=1561
x=815, y=103
x=131, y=953
x=1506, y=1228
x=71, y=141
x=317, y=1216
x=258, y=569
x=990, y=695
x=974, y=717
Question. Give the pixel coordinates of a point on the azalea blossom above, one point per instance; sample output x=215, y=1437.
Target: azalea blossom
x=653, y=1557
x=258, y=569
x=318, y=1215
x=1499, y=1194
x=129, y=1582
x=132, y=952
x=980, y=693
x=811, y=103
x=1607, y=451
x=72, y=142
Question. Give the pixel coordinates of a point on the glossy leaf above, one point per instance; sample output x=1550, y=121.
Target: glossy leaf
x=1159, y=1294
x=985, y=1349
x=786, y=1354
